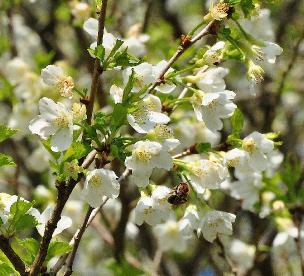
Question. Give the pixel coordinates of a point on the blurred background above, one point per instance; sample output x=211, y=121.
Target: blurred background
x=34, y=34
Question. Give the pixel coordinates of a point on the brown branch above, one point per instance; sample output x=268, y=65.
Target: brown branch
x=64, y=191
x=91, y=214
x=97, y=67
x=147, y=15
x=11, y=35
x=12, y=256
x=210, y=28
x=77, y=240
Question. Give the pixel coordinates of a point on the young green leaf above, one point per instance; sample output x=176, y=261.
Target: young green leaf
x=6, y=160
x=237, y=121
x=27, y=250
x=6, y=132
x=203, y=147
x=76, y=151
x=57, y=248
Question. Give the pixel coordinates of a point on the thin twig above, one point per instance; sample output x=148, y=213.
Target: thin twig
x=84, y=226
x=292, y=62
x=63, y=192
x=77, y=242
x=97, y=67
x=12, y=256
x=209, y=29
x=157, y=260
x=91, y=214
x=147, y=15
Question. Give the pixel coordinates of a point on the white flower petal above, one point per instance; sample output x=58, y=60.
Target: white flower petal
x=61, y=140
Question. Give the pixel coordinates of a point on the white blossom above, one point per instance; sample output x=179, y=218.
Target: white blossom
x=211, y=80
x=55, y=120
x=155, y=209
x=147, y=114
x=268, y=52
x=116, y=93
x=100, y=183
x=206, y=174
x=108, y=41
x=257, y=146
x=242, y=255
x=64, y=223
x=146, y=74
x=211, y=108
x=171, y=235
x=247, y=190
x=215, y=53
x=146, y=156
x=216, y=222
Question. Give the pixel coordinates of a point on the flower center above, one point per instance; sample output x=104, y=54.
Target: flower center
x=199, y=171
x=233, y=162
x=163, y=131
x=197, y=98
x=172, y=229
x=62, y=121
x=249, y=145
x=140, y=115
x=65, y=86
x=95, y=181
x=148, y=210
x=143, y=154
x=219, y=11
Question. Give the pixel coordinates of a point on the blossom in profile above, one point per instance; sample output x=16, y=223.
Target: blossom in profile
x=53, y=75
x=147, y=115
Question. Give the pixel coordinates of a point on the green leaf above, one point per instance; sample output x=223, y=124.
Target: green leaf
x=6, y=132
x=46, y=144
x=18, y=219
x=117, y=45
x=6, y=88
x=76, y=151
x=203, y=147
x=6, y=160
x=28, y=250
x=119, y=116
x=4, y=259
x=26, y=222
x=125, y=59
x=98, y=52
x=233, y=2
x=6, y=270
x=247, y=7
x=128, y=87
x=57, y=248
x=234, y=140
x=237, y=121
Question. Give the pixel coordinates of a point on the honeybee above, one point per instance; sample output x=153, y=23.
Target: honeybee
x=179, y=194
